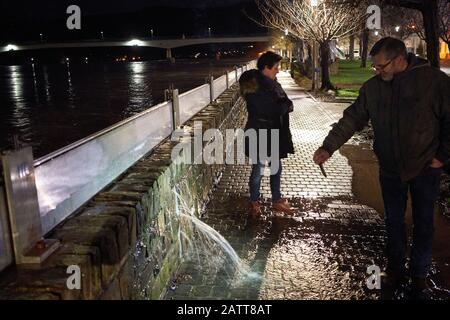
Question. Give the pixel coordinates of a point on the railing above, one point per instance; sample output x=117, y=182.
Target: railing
x=68, y=178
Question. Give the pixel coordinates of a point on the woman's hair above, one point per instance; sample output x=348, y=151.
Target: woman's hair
x=268, y=59
x=248, y=82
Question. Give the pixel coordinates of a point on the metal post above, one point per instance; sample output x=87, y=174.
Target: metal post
x=23, y=208
x=227, y=77
x=175, y=109
x=211, y=88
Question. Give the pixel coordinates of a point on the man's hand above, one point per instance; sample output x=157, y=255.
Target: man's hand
x=320, y=156
x=435, y=163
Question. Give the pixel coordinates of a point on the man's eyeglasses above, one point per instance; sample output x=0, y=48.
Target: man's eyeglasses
x=382, y=67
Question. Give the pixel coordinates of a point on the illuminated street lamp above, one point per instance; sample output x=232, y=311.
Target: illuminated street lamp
x=101, y=33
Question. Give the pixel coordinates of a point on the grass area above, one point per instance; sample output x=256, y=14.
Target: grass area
x=347, y=93
x=350, y=77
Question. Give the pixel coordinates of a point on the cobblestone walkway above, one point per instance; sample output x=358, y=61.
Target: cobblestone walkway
x=322, y=252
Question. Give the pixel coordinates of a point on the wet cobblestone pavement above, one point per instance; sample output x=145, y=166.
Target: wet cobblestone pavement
x=321, y=252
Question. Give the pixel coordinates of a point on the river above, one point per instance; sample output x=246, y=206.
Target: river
x=51, y=106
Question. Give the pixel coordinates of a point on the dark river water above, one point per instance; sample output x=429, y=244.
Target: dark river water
x=51, y=106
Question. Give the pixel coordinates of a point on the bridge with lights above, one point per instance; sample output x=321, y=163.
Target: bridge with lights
x=167, y=44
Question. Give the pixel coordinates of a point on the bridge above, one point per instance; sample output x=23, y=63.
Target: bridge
x=167, y=44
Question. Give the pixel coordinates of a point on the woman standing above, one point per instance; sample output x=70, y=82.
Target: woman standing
x=268, y=108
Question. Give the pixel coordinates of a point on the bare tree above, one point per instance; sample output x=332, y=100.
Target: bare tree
x=399, y=22
x=321, y=20
x=429, y=12
x=415, y=23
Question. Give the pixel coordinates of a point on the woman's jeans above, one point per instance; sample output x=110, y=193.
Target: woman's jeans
x=424, y=192
x=255, y=182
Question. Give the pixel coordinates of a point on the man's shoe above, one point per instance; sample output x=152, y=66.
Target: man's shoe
x=282, y=205
x=254, y=209
x=390, y=283
x=420, y=289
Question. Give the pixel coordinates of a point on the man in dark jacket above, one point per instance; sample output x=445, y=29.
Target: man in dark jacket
x=408, y=103
x=268, y=108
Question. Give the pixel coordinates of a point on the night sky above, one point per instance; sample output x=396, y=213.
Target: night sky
x=23, y=20
x=52, y=8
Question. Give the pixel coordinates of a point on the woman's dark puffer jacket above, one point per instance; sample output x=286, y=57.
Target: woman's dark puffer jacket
x=268, y=107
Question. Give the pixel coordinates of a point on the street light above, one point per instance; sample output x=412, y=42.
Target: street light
x=101, y=33
x=151, y=33
x=42, y=36
x=209, y=32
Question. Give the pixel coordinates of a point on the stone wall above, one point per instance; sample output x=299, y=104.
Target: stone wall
x=127, y=241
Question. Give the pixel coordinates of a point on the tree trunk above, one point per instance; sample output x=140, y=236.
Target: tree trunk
x=430, y=21
x=360, y=45
x=365, y=47
x=300, y=51
x=325, y=66
x=351, y=49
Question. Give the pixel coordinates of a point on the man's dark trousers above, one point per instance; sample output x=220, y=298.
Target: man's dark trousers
x=424, y=192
